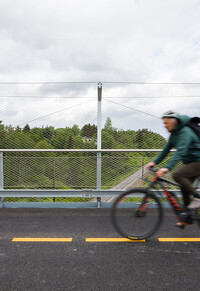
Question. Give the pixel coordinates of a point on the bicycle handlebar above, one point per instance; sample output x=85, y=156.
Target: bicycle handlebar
x=154, y=170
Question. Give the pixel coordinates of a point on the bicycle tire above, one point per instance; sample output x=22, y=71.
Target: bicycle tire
x=125, y=216
x=197, y=216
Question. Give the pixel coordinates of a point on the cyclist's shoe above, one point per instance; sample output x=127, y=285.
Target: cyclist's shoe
x=185, y=219
x=194, y=204
x=180, y=224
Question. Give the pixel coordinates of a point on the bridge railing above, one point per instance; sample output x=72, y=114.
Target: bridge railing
x=69, y=177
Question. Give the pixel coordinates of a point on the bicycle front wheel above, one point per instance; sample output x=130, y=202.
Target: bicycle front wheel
x=137, y=214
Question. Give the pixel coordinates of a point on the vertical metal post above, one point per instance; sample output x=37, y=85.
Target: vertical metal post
x=99, y=142
x=54, y=186
x=1, y=177
x=143, y=165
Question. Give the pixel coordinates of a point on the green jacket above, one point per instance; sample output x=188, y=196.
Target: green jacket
x=186, y=143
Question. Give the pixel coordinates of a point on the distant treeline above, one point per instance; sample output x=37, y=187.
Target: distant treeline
x=75, y=138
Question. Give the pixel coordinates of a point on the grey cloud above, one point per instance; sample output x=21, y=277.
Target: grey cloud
x=149, y=41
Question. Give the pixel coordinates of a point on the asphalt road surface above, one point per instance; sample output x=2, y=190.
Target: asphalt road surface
x=74, y=263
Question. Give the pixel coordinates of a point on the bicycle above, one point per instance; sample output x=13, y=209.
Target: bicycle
x=137, y=213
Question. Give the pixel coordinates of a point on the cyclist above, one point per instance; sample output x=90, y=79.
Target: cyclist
x=187, y=145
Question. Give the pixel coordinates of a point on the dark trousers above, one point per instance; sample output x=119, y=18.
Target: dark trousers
x=185, y=176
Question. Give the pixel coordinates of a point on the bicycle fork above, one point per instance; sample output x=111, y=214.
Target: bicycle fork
x=143, y=206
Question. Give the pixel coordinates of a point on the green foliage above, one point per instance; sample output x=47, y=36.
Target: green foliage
x=146, y=139
x=26, y=128
x=18, y=140
x=89, y=130
x=72, y=170
x=108, y=125
x=48, y=132
x=2, y=135
x=108, y=140
x=59, y=139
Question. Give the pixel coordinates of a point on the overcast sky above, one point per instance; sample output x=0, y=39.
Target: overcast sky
x=150, y=41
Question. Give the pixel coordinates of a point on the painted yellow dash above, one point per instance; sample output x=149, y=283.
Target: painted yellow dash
x=41, y=239
x=109, y=239
x=178, y=239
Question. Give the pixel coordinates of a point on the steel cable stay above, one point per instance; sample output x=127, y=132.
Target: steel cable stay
x=55, y=112
x=132, y=108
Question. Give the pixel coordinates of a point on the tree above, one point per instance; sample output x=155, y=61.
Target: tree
x=43, y=145
x=108, y=141
x=89, y=130
x=69, y=143
x=18, y=128
x=75, y=130
x=19, y=140
x=26, y=128
x=139, y=138
x=59, y=140
x=48, y=132
x=37, y=134
x=2, y=136
x=108, y=124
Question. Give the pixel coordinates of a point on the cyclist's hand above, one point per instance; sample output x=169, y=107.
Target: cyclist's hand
x=161, y=172
x=149, y=165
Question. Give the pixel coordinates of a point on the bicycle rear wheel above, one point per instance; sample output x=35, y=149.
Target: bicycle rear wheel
x=197, y=216
x=137, y=214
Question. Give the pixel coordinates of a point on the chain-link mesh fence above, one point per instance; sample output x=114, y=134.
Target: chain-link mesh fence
x=64, y=116
x=119, y=171
x=69, y=172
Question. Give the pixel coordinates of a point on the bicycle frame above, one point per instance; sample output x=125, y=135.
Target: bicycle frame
x=171, y=197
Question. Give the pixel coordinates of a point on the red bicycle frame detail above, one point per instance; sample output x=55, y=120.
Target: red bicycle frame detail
x=173, y=201
x=144, y=204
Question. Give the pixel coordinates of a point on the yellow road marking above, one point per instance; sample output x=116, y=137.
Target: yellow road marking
x=178, y=239
x=109, y=239
x=41, y=239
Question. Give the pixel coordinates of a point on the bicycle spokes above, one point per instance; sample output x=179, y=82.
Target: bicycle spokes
x=137, y=215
